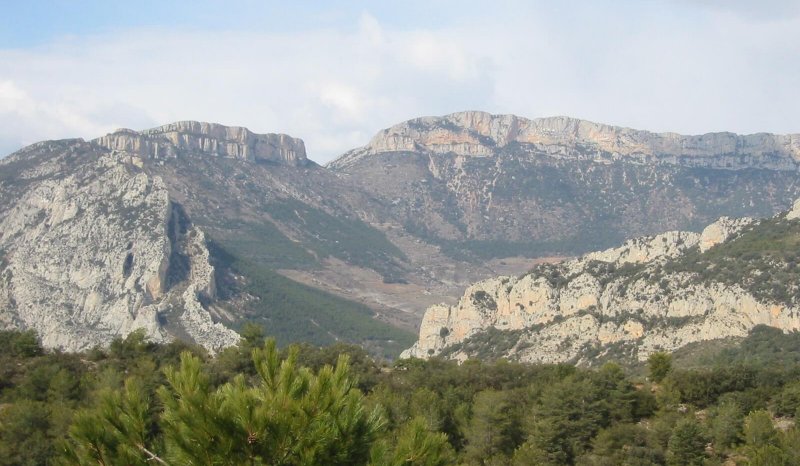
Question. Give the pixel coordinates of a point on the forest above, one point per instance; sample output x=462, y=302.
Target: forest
x=139, y=403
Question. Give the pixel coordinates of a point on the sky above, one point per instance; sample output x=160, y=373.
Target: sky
x=335, y=73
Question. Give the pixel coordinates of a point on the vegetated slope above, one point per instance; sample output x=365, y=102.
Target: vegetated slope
x=742, y=407
x=310, y=225
x=651, y=294
x=765, y=347
x=483, y=186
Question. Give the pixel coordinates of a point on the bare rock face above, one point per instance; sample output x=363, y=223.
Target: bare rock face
x=480, y=134
x=794, y=212
x=647, y=295
x=719, y=231
x=207, y=138
x=646, y=249
x=87, y=254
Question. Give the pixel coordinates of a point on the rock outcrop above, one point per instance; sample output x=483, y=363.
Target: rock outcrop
x=480, y=134
x=207, y=138
x=650, y=294
x=90, y=253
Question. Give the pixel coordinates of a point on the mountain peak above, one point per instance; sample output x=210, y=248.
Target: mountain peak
x=206, y=138
x=481, y=134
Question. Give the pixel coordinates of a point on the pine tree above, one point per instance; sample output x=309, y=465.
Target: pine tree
x=659, y=364
x=118, y=431
x=758, y=430
x=686, y=444
x=416, y=445
x=289, y=417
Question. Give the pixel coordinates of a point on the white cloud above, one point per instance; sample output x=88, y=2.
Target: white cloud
x=646, y=67
x=343, y=99
x=24, y=118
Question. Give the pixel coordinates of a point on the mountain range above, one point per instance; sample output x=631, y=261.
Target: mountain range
x=192, y=229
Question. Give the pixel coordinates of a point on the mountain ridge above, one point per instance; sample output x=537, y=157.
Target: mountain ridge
x=210, y=138
x=250, y=229
x=655, y=293
x=476, y=133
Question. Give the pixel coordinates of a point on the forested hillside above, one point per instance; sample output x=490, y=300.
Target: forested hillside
x=144, y=403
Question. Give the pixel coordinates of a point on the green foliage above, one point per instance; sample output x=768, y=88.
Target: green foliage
x=265, y=244
x=659, y=364
x=787, y=403
x=27, y=433
x=726, y=424
x=346, y=238
x=117, y=431
x=252, y=334
x=704, y=387
x=143, y=403
x=763, y=259
x=495, y=428
x=415, y=445
x=289, y=417
x=19, y=344
x=487, y=345
x=758, y=430
x=298, y=313
x=763, y=347
x=623, y=444
x=569, y=413
x=768, y=455
x=687, y=444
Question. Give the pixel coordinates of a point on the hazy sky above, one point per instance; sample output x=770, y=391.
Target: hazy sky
x=334, y=73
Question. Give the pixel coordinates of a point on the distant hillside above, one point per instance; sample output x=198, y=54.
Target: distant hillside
x=483, y=186
x=657, y=293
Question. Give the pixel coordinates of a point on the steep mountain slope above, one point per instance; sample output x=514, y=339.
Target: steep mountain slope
x=652, y=293
x=179, y=230
x=92, y=248
x=484, y=186
x=302, y=227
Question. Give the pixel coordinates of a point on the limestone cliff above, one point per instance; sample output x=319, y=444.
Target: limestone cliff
x=207, y=138
x=90, y=248
x=480, y=134
x=653, y=293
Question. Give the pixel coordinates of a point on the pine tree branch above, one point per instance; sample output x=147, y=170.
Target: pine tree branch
x=153, y=456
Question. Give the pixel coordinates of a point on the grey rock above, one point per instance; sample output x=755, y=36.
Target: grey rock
x=598, y=305
x=87, y=257
x=207, y=138
x=480, y=134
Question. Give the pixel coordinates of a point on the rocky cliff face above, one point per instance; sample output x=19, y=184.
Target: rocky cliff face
x=208, y=138
x=653, y=293
x=90, y=246
x=480, y=134
x=487, y=186
x=181, y=230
